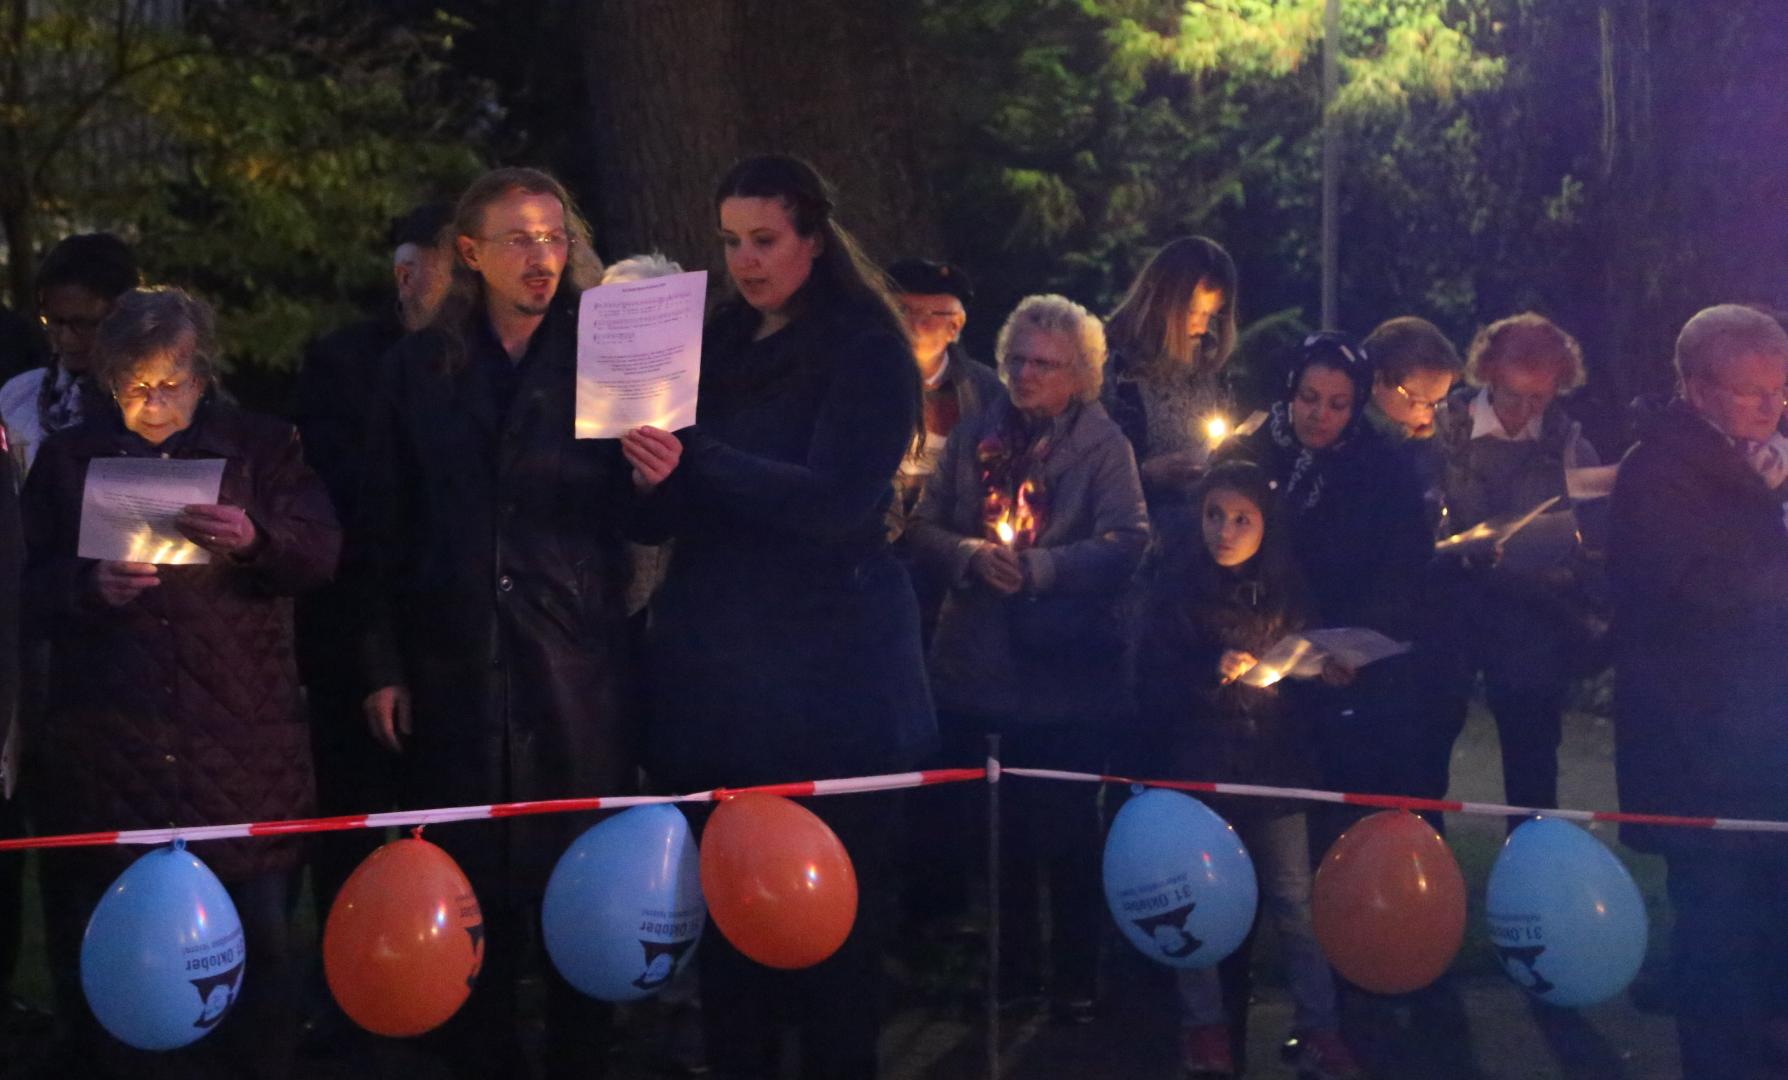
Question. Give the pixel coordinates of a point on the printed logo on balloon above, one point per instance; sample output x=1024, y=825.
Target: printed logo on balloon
x=217, y=990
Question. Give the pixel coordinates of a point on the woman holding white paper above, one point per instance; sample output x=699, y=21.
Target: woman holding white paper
x=173, y=689
x=784, y=642
x=1508, y=445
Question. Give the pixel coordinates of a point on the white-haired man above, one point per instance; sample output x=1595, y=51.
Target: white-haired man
x=1699, y=558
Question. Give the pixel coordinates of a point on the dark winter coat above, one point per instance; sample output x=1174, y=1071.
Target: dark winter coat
x=337, y=388
x=1699, y=560
x=784, y=643
x=180, y=707
x=495, y=584
x=1358, y=526
x=1202, y=729
x=1054, y=652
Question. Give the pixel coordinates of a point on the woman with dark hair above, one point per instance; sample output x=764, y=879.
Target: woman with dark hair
x=784, y=642
x=1227, y=588
x=1170, y=338
x=77, y=283
x=173, y=692
x=1361, y=538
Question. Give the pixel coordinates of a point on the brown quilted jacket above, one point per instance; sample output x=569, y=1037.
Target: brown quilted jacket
x=181, y=707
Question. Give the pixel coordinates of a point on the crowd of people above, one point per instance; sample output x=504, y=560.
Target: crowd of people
x=872, y=552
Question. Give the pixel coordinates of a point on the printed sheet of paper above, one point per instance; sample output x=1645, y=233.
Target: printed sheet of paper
x=639, y=353
x=129, y=505
x=1485, y=536
x=1596, y=482
x=1301, y=656
x=1356, y=646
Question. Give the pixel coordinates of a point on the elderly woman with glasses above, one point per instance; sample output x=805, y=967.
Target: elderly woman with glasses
x=172, y=694
x=1035, y=522
x=1508, y=444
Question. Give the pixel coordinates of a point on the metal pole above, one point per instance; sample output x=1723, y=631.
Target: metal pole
x=1331, y=163
x=993, y=907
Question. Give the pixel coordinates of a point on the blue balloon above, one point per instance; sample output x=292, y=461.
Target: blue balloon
x=623, y=910
x=163, y=957
x=1566, y=920
x=1178, y=880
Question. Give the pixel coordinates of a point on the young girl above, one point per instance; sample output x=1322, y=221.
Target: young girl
x=1228, y=588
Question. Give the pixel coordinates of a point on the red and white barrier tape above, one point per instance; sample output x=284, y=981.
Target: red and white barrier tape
x=1405, y=802
x=849, y=785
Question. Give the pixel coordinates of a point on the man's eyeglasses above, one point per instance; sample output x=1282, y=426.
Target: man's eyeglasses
x=521, y=241
x=1420, y=403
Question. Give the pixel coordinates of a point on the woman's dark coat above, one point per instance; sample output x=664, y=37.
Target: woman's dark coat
x=180, y=707
x=495, y=590
x=1053, y=653
x=1359, y=529
x=1699, y=560
x=784, y=642
x=1360, y=536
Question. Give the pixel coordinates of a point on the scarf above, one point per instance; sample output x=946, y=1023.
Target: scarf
x=1011, y=457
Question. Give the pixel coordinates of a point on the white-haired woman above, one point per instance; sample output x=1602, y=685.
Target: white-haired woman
x=1035, y=521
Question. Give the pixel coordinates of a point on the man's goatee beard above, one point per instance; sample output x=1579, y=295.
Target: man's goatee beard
x=533, y=309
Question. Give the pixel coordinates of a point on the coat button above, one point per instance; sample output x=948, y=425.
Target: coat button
x=170, y=759
x=505, y=583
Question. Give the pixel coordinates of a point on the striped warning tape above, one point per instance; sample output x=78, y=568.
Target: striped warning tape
x=993, y=771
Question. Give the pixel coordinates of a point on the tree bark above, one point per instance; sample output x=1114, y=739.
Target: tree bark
x=681, y=90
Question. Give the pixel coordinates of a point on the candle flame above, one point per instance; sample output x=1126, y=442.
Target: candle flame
x=1216, y=429
x=1006, y=531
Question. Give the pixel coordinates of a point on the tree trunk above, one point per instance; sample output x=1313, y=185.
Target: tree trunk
x=681, y=90
x=664, y=118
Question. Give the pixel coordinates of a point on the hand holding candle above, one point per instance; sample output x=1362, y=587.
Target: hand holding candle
x=997, y=566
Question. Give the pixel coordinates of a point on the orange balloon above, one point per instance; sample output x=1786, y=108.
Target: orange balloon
x=404, y=941
x=1389, y=904
x=778, y=882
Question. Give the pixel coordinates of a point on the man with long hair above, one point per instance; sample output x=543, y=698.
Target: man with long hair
x=495, y=576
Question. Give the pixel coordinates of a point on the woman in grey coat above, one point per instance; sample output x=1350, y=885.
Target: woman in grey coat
x=1035, y=523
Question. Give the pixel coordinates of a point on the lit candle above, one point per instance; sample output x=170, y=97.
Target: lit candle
x=1007, y=533
x=1216, y=429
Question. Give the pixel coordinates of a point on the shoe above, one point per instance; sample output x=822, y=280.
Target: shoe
x=1321, y=1055
x=1204, y=1051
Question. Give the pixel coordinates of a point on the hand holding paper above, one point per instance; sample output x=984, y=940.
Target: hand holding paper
x=653, y=453
x=221, y=530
